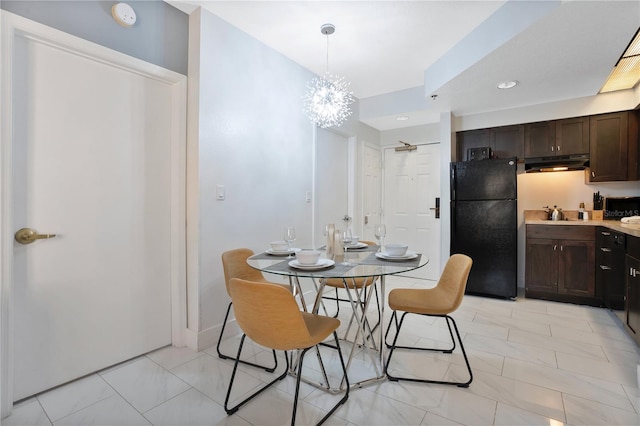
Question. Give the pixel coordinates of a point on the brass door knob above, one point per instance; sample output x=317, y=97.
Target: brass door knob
x=28, y=235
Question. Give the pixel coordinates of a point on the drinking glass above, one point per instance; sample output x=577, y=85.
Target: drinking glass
x=289, y=237
x=380, y=231
x=347, y=237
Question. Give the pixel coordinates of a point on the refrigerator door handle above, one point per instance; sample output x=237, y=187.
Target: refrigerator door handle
x=453, y=181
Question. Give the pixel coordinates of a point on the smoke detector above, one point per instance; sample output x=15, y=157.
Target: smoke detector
x=123, y=14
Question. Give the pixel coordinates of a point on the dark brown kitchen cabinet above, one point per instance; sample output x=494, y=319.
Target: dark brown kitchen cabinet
x=504, y=141
x=558, y=137
x=471, y=139
x=613, y=147
x=559, y=263
x=610, y=257
x=632, y=268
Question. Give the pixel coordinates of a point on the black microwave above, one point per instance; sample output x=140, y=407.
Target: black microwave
x=615, y=208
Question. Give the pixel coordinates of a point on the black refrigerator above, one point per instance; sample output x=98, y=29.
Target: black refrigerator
x=484, y=209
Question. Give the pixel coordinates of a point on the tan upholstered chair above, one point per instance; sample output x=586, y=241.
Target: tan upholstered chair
x=362, y=283
x=439, y=301
x=269, y=315
x=234, y=264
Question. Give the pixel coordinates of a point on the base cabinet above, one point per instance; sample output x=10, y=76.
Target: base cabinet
x=632, y=272
x=559, y=264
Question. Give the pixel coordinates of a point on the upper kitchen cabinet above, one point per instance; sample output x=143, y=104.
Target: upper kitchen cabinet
x=613, y=145
x=507, y=141
x=504, y=141
x=558, y=137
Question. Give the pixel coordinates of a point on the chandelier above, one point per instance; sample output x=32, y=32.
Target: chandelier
x=328, y=99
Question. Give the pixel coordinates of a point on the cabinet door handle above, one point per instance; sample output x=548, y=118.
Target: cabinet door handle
x=605, y=268
x=632, y=272
x=555, y=247
x=593, y=174
x=605, y=249
x=552, y=149
x=561, y=248
x=558, y=148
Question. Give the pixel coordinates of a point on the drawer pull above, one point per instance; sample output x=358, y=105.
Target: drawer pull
x=606, y=234
x=605, y=268
x=605, y=249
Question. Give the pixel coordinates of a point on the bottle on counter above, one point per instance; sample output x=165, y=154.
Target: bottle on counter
x=581, y=211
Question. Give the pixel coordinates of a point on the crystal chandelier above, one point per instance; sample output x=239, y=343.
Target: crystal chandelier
x=328, y=99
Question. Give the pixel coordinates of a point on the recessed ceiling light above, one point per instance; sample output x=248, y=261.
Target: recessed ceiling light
x=507, y=84
x=402, y=118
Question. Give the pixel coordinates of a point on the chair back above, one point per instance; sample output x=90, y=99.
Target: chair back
x=234, y=264
x=453, y=280
x=269, y=315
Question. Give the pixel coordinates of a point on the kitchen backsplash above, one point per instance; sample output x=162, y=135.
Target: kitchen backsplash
x=566, y=190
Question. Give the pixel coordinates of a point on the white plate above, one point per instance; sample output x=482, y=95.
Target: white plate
x=407, y=256
x=282, y=252
x=358, y=245
x=322, y=263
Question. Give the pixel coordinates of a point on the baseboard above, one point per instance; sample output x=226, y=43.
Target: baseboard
x=205, y=339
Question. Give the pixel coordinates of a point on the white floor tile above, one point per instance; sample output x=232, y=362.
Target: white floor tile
x=68, y=399
x=28, y=412
x=145, y=384
x=191, y=408
x=581, y=411
x=108, y=412
x=171, y=357
x=568, y=383
x=509, y=416
x=534, y=362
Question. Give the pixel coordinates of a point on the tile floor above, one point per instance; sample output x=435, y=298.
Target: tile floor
x=534, y=363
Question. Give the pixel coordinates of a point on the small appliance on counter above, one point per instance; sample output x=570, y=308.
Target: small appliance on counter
x=618, y=207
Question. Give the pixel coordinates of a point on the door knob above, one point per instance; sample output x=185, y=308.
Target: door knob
x=28, y=235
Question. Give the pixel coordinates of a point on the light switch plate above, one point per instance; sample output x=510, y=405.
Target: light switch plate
x=220, y=192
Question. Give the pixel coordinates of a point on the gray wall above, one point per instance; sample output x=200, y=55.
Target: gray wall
x=159, y=36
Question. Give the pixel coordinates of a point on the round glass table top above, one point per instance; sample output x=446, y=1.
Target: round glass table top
x=355, y=263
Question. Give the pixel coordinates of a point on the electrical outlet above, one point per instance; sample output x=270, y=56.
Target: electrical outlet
x=307, y=196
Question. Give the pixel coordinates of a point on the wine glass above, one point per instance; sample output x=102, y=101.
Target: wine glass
x=289, y=237
x=380, y=231
x=347, y=237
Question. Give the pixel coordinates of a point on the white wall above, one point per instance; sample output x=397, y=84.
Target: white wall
x=251, y=136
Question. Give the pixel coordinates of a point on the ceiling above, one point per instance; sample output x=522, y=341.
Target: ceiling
x=397, y=54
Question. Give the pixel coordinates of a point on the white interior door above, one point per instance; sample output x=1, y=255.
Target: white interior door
x=331, y=195
x=92, y=164
x=372, y=205
x=412, y=184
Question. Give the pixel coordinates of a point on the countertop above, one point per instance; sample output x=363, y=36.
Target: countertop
x=614, y=225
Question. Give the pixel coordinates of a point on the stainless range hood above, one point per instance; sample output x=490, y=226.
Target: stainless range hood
x=557, y=163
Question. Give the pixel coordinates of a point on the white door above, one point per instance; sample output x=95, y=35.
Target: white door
x=92, y=164
x=412, y=184
x=372, y=166
x=331, y=195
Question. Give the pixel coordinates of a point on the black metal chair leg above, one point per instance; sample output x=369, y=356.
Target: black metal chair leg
x=231, y=410
x=345, y=378
x=393, y=316
x=393, y=347
x=223, y=356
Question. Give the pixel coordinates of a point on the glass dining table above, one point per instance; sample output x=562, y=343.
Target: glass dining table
x=368, y=263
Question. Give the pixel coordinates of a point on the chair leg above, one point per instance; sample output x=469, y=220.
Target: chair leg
x=223, y=356
x=231, y=410
x=345, y=379
x=393, y=316
x=393, y=347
